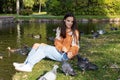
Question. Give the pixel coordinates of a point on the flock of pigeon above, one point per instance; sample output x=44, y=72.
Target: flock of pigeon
x=100, y=32
x=67, y=69
x=96, y=34
x=82, y=63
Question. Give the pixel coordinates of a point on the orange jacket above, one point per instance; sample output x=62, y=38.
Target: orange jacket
x=67, y=42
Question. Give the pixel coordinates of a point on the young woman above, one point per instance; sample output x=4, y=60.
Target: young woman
x=66, y=46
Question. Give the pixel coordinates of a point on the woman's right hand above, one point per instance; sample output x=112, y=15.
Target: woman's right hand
x=69, y=55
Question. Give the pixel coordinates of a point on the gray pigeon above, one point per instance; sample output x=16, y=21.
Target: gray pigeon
x=51, y=75
x=23, y=50
x=67, y=68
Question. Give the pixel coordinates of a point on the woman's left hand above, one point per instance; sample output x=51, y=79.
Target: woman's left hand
x=69, y=55
x=64, y=49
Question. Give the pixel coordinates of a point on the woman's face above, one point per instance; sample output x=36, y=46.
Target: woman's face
x=69, y=22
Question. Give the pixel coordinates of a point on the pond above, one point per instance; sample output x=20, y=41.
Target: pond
x=16, y=35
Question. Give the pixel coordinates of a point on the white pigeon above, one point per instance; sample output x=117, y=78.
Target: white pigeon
x=101, y=31
x=51, y=75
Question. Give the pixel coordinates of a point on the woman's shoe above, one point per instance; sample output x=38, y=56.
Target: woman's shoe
x=24, y=68
x=15, y=64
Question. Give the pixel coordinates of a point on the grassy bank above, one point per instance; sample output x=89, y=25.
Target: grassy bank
x=61, y=17
x=104, y=51
x=46, y=16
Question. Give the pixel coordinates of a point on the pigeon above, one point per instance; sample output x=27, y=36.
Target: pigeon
x=118, y=79
x=1, y=56
x=92, y=66
x=67, y=68
x=95, y=34
x=12, y=50
x=82, y=63
x=35, y=36
x=51, y=75
x=101, y=32
x=38, y=36
x=82, y=33
x=114, y=66
x=24, y=50
x=50, y=38
x=113, y=28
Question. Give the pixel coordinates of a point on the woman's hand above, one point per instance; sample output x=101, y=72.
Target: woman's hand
x=64, y=49
x=69, y=55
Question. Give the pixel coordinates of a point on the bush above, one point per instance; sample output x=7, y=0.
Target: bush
x=26, y=12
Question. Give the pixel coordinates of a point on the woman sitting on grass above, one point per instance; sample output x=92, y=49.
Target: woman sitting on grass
x=66, y=46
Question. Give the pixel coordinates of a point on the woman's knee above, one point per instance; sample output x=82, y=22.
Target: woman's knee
x=43, y=44
x=36, y=45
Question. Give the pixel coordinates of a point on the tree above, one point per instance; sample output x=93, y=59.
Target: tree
x=29, y=3
x=41, y=3
x=17, y=6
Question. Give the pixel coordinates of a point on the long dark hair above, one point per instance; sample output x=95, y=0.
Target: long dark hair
x=63, y=27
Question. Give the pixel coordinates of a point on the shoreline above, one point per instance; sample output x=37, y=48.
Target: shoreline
x=11, y=19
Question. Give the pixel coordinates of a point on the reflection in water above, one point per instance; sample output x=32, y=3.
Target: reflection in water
x=18, y=35
x=12, y=34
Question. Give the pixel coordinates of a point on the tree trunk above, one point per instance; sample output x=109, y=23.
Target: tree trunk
x=39, y=7
x=18, y=6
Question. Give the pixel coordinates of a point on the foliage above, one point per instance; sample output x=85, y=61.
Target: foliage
x=85, y=7
x=60, y=7
x=42, y=2
x=26, y=11
x=28, y=3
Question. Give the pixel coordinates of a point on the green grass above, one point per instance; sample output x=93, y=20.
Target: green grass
x=47, y=16
x=103, y=51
